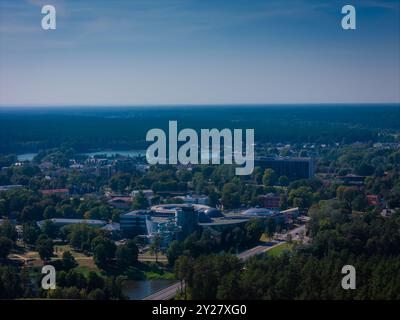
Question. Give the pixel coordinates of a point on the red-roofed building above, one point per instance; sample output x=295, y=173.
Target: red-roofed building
x=270, y=201
x=373, y=200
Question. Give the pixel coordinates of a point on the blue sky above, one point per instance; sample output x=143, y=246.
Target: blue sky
x=151, y=52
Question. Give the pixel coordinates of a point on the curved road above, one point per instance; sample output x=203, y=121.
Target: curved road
x=169, y=292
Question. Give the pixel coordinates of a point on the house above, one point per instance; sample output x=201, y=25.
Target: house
x=373, y=200
x=386, y=212
x=270, y=201
x=148, y=193
x=350, y=180
x=120, y=202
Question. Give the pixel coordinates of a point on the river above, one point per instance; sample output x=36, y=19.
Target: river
x=108, y=153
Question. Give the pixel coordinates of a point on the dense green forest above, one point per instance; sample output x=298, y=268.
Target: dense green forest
x=25, y=130
x=370, y=243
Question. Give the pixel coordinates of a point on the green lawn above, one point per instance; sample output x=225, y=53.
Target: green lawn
x=277, y=251
x=156, y=276
x=85, y=263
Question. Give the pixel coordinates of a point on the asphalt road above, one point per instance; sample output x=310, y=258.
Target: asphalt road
x=169, y=292
x=257, y=250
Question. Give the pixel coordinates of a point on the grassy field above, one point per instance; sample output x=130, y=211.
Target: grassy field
x=278, y=250
x=147, y=269
x=157, y=276
x=85, y=263
x=152, y=258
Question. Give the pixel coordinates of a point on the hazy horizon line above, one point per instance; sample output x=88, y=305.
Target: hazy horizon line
x=51, y=106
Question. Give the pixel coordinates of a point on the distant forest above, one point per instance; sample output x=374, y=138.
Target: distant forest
x=84, y=129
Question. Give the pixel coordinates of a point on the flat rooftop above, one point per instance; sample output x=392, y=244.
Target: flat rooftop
x=224, y=221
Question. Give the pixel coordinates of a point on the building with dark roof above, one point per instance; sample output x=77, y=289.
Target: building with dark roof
x=114, y=229
x=270, y=201
x=187, y=220
x=350, y=180
x=136, y=222
x=64, y=222
x=123, y=203
x=293, y=168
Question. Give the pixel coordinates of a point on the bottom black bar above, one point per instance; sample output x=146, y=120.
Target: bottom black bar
x=198, y=309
